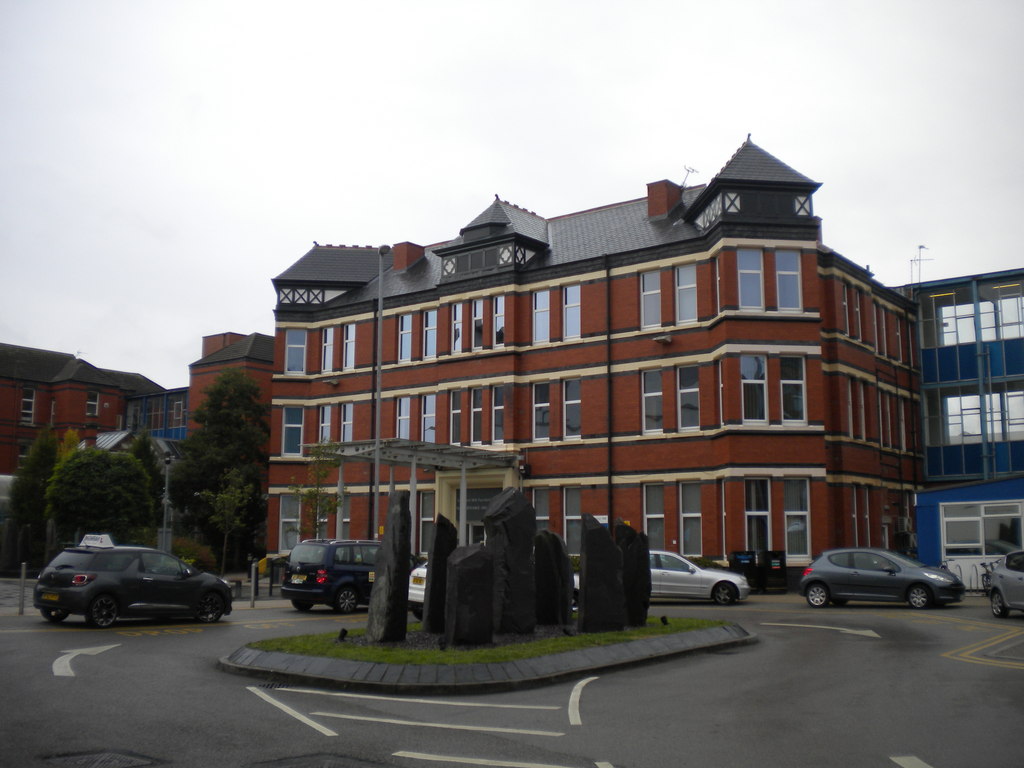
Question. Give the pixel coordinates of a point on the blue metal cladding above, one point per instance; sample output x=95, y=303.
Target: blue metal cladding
x=1014, y=351
x=948, y=370
x=952, y=460
x=968, y=358
x=929, y=521
x=929, y=366
x=974, y=463
x=997, y=366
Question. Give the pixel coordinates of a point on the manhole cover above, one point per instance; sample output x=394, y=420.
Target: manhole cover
x=101, y=760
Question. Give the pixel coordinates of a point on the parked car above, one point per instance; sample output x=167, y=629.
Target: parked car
x=417, y=588
x=104, y=582
x=1008, y=585
x=863, y=573
x=338, y=573
x=675, y=577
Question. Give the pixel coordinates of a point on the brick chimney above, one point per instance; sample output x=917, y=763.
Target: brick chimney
x=662, y=197
x=404, y=255
x=218, y=341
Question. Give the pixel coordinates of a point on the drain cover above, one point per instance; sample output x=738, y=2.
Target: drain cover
x=101, y=760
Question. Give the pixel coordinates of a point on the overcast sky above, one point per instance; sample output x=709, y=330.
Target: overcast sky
x=161, y=162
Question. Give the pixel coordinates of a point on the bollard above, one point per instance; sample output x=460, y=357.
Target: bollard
x=253, y=575
x=21, y=590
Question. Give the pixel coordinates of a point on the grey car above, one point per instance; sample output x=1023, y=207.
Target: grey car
x=863, y=573
x=1008, y=585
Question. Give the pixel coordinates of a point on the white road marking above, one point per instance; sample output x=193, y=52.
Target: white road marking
x=574, y=701
x=909, y=761
x=446, y=726
x=481, y=761
x=403, y=699
x=62, y=666
x=289, y=711
x=844, y=630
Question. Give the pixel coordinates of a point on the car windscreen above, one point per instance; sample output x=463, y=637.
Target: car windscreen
x=307, y=554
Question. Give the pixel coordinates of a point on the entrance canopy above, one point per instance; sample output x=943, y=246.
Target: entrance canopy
x=420, y=455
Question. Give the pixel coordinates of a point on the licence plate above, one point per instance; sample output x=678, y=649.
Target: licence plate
x=53, y=597
x=299, y=578
x=418, y=580
x=371, y=577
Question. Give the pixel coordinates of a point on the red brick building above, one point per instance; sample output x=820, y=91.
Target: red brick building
x=694, y=362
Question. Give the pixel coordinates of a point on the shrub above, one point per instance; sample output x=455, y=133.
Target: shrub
x=194, y=553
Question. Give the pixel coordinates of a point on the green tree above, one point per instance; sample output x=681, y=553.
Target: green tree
x=68, y=445
x=28, y=492
x=228, y=505
x=96, y=491
x=144, y=449
x=315, y=502
x=232, y=434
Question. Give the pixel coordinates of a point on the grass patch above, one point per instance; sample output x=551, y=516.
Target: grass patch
x=404, y=653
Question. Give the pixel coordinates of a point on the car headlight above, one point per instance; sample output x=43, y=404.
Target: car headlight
x=939, y=577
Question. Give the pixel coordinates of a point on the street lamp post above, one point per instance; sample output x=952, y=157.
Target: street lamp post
x=165, y=533
x=382, y=251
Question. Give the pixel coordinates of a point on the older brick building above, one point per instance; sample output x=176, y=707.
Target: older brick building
x=694, y=362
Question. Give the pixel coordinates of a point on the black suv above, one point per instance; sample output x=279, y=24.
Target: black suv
x=104, y=583
x=330, y=572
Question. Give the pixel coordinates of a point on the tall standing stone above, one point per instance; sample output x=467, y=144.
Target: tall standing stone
x=636, y=573
x=446, y=539
x=553, y=578
x=469, y=617
x=602, y=603
x=510, y=523
x=389, y=600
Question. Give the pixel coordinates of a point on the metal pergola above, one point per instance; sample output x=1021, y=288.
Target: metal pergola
x=415, y=455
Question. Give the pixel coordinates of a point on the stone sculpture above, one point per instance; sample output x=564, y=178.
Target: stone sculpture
x=602, y=604
x=636, y=573
x=469, y=593
x=389, y=600
x=510, y=523
x=446, y=539
x=553, y=579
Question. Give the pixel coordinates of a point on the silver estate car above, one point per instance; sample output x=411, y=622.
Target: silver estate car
x=839, y=575
x=1008, y=585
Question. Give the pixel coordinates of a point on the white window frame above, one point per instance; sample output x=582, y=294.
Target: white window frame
x=752, y=514
x=498, y=314
x=92, y=403
x=497, y=415
x=288, y=531
x=572, y=409
x=572, y=519
x=428, y=418
x=689, y=517
x=541, y=316
x=760, y=384
x=403, y=417
x=405, y=337
x=650, y=299
x=456, y=327
x=476, y=416
x=572, y=316
x=797, y=513
x=430, y=334
x=327, y=336
x=541, y=412
x=652, y=399
x=654, y=513
x=787, y=385
x=324, y=431
x=455, y=417
x=477, y=310
x=292, y=418
x=348, y=347
x=686, y=293
x=745, y=272
x=295, y=351
x=687, y=392
x=788, y=277
x=28, y=405
x=346, y=422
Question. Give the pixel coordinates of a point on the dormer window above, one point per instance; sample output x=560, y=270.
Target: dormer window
x=731, y=202
x=495, y=258
x=802, y=205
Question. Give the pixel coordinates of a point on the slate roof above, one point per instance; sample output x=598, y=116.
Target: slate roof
x=612, y=229
x=255, y=346
x=47, y=367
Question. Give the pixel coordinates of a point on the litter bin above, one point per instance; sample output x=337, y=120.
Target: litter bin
x=745, y=562
x=774, y=570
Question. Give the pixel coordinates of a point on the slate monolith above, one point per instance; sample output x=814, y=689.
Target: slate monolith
x=510, y=523
x=553, y=579
x=446, y=539
x=636, y=573
x=389, y=600
x=602, y=603
x=469, y=617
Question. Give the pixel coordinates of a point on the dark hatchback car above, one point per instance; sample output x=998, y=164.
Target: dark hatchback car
x=839, y=575
x=104, y=583
x=333, y=572
x=1008, y=585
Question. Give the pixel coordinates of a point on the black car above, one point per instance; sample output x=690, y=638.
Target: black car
x=104, y=582
x=338, y=573
x=864, y=573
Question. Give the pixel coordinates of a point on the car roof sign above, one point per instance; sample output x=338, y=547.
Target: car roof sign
x=97, y=540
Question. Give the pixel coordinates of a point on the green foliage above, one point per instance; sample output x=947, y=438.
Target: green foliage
x=28, y=491
x=68, y=445
x=396, y=653
x=144, y=449
x=95, y=491
x=228, y=505
x=315, y=502
x=231, y=435
x=194, y=553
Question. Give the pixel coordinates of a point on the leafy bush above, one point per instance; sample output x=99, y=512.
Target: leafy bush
x=194, y=553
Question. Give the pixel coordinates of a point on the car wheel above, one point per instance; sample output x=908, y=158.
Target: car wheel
x=999, y=609
x=102, y=611
x=724, y=593
x=919, y=597
x=56, y=615
x=211, y=608
x=302, y=605
x=345, y=600
x=817, y=595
